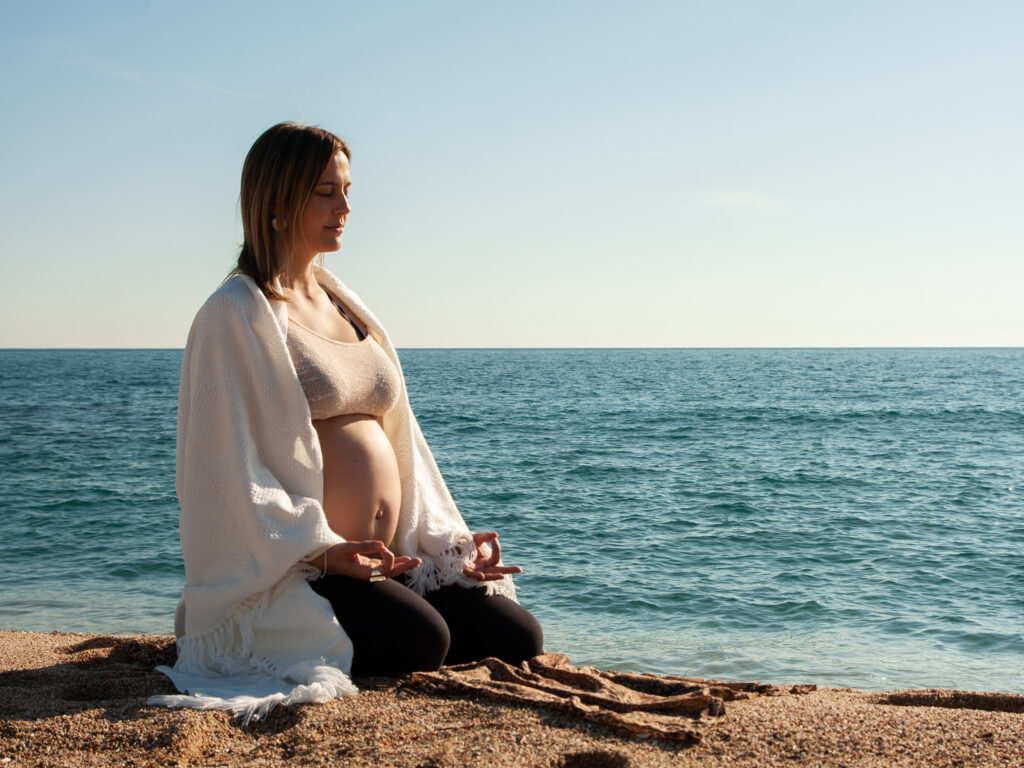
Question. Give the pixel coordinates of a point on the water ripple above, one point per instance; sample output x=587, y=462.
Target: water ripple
x=848, y=517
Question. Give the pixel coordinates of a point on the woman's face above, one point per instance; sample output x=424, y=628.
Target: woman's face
x=327, y=211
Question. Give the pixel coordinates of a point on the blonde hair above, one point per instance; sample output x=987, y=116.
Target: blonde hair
x=278, y=179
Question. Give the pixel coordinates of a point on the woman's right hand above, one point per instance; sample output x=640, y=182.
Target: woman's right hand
x=357, y=559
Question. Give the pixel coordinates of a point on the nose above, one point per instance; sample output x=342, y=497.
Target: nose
x=343, y=208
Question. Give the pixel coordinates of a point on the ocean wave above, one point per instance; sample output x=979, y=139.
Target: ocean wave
x=802, y=514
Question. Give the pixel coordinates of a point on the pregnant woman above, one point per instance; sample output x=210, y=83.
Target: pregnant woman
x=318, y=535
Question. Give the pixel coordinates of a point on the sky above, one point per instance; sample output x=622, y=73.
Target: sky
x=531, y=174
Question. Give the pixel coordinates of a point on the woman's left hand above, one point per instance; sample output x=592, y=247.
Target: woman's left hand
x=485, y=566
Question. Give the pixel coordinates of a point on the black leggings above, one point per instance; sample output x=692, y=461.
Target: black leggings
x=394, y=630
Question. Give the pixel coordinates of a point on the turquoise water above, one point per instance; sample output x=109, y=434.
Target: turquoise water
x=843, y=517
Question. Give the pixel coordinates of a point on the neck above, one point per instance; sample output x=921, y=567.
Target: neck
x=298, y=277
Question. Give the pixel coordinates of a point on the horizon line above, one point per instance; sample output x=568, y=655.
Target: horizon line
x=692, y=348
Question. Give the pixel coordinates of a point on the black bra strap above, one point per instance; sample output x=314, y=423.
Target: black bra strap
x=359, y=331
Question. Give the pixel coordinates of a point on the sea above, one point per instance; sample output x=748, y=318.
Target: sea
x=845, y=517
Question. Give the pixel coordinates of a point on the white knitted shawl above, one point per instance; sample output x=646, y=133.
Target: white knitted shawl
x=251, y=632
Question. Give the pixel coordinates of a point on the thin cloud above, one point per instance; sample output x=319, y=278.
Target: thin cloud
x=78, y=54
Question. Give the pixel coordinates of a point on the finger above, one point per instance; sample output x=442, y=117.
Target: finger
x=495, y=557
x=482, y=537
x=362, y=547
x=387, y=558
x=491, y=574
x=503, y=569
x=490, y=538
x=403, y=564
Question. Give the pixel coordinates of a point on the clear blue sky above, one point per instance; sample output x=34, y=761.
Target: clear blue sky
x=533, y=173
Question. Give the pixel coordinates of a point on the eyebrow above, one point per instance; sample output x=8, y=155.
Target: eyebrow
x=332, y=184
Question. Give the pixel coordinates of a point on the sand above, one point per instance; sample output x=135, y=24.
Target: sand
x=79, y=700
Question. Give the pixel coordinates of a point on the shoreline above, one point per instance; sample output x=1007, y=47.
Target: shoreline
x=69, y=699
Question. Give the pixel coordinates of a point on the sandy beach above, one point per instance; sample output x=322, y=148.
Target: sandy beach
x=79, y=700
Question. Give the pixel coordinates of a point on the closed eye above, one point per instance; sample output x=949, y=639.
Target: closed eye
x=327, y=191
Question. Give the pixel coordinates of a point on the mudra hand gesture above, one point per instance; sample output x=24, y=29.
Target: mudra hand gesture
x=485, y=566
x=366, y=559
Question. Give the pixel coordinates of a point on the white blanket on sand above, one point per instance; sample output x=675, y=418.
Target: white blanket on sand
x=251, y=632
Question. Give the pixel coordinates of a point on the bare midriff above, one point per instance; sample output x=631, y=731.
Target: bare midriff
x=362, y=490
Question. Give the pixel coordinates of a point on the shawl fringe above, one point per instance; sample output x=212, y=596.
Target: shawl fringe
x=219, y=650
x=324, y=684
x=447, y=568
x=225, y=655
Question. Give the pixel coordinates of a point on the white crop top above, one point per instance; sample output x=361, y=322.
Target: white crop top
x=342, y=378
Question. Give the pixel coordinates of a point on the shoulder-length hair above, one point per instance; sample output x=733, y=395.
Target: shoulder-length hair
x=278, y=179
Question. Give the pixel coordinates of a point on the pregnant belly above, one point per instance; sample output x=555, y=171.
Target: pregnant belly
x=362, y=492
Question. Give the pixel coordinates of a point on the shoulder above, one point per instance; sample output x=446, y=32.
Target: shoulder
x=239, y=300
x=236, y=309
x=238, y=295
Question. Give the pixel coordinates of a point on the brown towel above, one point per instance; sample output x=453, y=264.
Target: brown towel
x=658, y=705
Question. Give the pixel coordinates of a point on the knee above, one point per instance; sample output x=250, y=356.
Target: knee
x=533, y=639
x=428, y=645
x=522, y=639
x=415, y=640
